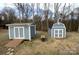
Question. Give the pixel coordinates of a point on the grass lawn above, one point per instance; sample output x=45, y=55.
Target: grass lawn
x=66, y=46
x=3, y=40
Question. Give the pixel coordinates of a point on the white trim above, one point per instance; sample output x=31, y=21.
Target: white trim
x=54, y=32
x=19, y=33
x=58, y=33
x=24, y=32
x=51, y=31
x=29, y=33
x=14, y=32
x=65, y=32
x=35, y=30
x=9, y=33
x=62, y=33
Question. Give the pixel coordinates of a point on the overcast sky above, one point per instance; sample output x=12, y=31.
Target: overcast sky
x=74, y=5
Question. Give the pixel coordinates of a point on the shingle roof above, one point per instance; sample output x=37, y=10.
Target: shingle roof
x=58, y=25
x=19, y=24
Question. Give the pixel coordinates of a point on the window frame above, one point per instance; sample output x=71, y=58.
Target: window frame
x=58, y=34
x=18, y=27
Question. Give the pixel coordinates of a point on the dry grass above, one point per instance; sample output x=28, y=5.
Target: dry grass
x=66, y=46
x=69, y=45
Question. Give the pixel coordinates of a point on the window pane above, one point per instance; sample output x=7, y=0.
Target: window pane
x=56, y=35
x=21, y=32
x=60, y=31
x=60, y=35
x=56, y=31
x=16, y=32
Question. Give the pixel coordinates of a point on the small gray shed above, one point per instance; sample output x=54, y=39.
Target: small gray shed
x=21, y=31
x=58, y=30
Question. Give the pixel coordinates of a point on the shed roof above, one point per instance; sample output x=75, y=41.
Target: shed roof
x=29, y=24
x=58, y=25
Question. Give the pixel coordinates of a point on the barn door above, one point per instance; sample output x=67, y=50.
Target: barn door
x=55, y=33
x=58, y=33
x=19, y=32
x=16, y=33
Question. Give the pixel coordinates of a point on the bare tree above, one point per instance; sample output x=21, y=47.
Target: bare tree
x=46, y=10
x=9, y=14
x=56, y=10
x=66, y=10
x=38, y=6
x=23, y=10
x=18, y=7
x=32, y=4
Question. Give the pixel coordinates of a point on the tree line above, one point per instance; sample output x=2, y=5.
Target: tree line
x=43, y=22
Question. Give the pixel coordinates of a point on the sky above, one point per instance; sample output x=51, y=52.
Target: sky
x=74, y=5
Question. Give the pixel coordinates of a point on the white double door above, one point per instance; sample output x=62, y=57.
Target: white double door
x=19, y=32
x=58, y=33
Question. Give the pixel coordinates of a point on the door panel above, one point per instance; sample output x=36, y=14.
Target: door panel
x=58, y=33
x=16, y=32
x=21, y=32
x=61, y=33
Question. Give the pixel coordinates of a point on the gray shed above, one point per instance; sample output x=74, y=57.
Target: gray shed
x=21, y=31
x=58, y=30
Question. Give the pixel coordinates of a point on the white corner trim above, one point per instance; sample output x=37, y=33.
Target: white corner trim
x=35, y=29
x=29, y=33
x=14, y=32
x=65, y=32
x=51, y=32
x=9, y=32
x=24, y=32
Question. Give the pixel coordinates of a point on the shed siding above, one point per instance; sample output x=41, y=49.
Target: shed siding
x=52, y=32
x=49, y=32
x=11, y=32
x=32, y=31
x=26, y=32
x=57, y=26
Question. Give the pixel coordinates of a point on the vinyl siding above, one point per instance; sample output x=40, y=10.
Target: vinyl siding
x=52, y=32
x=57, y=26
x=32, y=31
x=26, y=32
x=11, y=32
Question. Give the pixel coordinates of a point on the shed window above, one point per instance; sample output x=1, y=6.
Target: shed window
x=58, y=33
x=18, y=32
x=21, y=32
x=58, y=30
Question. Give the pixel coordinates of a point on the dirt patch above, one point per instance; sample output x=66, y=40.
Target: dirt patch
x=3, y=49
